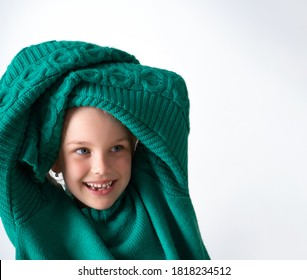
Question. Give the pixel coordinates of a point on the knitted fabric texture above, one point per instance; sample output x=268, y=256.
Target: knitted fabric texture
x=154, y=218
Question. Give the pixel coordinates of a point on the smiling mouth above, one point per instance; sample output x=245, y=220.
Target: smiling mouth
x=98, y=187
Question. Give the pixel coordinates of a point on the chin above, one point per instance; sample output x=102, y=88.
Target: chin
x=101, y=207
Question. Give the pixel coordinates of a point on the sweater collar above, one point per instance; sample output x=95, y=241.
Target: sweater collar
x=101, y=215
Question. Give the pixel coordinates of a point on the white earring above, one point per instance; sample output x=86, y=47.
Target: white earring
x=135, y=144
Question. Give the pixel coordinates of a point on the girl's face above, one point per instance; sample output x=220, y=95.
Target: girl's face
x=95, y=157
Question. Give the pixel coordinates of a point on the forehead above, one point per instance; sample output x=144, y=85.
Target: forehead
x=91, y=122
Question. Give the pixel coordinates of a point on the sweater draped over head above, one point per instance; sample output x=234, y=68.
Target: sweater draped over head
x=154, y=218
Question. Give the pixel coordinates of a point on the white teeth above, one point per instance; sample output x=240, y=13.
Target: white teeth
x=94, y=186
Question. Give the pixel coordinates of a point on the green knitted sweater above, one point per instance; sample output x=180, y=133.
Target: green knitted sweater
x=154, y=217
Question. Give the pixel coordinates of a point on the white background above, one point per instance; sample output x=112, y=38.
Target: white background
x=245, y=64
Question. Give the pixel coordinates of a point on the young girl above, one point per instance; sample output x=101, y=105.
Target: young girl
x=117, y=133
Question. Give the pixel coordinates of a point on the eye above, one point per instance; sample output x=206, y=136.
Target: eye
x=82, y=151
x=116, y=148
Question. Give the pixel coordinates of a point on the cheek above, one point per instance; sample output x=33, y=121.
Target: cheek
x=74, y=168
x=124, y=165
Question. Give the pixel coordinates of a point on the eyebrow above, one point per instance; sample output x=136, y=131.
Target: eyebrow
x=77, y=143
x=84, y=143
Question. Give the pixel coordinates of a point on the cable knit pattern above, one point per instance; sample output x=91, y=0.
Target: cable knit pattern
x=39, y=85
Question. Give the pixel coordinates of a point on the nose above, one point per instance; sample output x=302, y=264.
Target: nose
x=100, y=165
